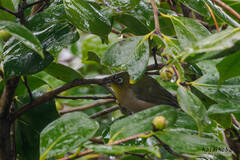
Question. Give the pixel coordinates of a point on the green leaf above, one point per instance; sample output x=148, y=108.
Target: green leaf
x=221, y=113
x=30, y=124
x=133, y=24
x=188, y=31
x=86, y=17
x=131, y=54
x=62, y=72
x=5, y=16
x=221, y=14
x=33, y=83
x=141, y=122
x=118, y=150
x=193, y=106
x=197, y=6
x=20, y=60
x=23, y=35
x=52, y=29
x=208, y=84
x=124, y=5
x=229, y=67
x=215, y=45
x=189, y=144
x=66, y=134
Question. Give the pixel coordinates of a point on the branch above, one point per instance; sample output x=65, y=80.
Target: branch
x=167, y=148
x=9, y=11
x=105, y=111
x=84, y=107
x=51, y=94
x=28, y=88
x=34, y=3
x=156, y=20
x=86, y=97
x=7, y=95
x=109, y=144
x=228, y=8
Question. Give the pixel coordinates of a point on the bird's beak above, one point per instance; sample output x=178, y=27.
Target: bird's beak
x=107, y=81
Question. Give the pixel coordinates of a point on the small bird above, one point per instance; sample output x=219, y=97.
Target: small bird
x=145, y=93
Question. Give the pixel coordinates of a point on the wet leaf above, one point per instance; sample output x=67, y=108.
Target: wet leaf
x=198, y=6
x=221, y=14
x=189, y=144
x=62, y=72
x=86, y=17
x=131, y=54
x=52, y=29
x=141, y=122
x=208, y=84
x=118, y=150
x=124, y=5
x=193, y=106
x=214, y=45
x=30, y=124
x=66, y=134
x=229, y=67
x=133, y=24
x=20, y=60
x=221, y=113
x=23, y=35
x=188, y=31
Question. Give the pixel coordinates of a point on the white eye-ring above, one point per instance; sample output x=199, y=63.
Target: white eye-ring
x=119, y=80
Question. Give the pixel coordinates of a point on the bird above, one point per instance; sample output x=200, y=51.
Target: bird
x=143, y=94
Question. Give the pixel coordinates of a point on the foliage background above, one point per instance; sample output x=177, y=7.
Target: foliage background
x=63, y=54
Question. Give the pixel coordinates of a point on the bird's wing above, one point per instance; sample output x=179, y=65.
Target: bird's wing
x=149, y=90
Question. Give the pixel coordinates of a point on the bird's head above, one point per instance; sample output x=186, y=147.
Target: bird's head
x=120, y=82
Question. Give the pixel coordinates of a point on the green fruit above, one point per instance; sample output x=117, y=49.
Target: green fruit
x=166, y=73
x=4, y=35
x=159, y=123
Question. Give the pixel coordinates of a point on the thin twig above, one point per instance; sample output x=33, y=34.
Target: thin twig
x=127, y=139
x=105, y=111
x=214, y=18
x=88, y=106
x=167, y=148
x=96, y=140
x=235, y=121
x=85, y=97
x=109, y=144
x=153, y=67
x=156, y=20
x=7, y=10
x=228, y=8
x=28, y=88
x=153, y=73
x=109, y=90
x=118, y=32
x=34, y=3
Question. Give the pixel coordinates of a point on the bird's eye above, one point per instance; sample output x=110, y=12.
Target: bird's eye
x=119, y=80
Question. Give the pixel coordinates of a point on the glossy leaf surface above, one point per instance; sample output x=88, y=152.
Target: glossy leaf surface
x=62, y=72
x=66, y=133
x=87, y=17
x=141, y=122
x=193, y=106
x=23, y=35
x=131, y=54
